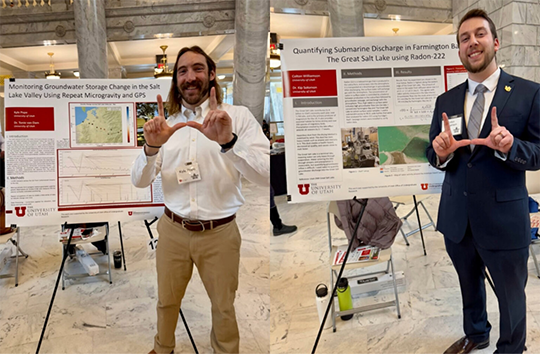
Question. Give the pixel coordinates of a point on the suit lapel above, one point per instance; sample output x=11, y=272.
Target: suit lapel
x=502, y=93
x=460, y=102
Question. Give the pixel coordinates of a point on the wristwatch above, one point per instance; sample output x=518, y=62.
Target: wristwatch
x=230, y=144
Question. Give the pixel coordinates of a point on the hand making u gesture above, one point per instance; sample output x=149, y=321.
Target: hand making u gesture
x=156, y=131
x=445, y=144
x=499, y=139
x=217, y=125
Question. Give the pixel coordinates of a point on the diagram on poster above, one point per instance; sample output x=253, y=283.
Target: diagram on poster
x=357, y=113
x=98, y=163
x=70, y=146
x=99, y=191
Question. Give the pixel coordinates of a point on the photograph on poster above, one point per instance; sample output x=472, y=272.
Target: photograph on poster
x=145, y=112
x=401, y=145
x=360, y=147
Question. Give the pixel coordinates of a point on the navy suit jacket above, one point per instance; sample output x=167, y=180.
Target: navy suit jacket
x=480, y=188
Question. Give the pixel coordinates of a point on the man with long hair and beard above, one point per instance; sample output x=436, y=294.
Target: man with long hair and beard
x=201, y=151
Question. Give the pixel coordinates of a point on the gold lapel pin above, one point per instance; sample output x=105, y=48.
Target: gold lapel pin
x=507, y=88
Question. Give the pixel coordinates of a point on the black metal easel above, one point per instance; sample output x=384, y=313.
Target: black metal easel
x=72, y=227
x=419, y=224
x=60, y=272
x=363, y=202
x=148, y=224
x=122, y=245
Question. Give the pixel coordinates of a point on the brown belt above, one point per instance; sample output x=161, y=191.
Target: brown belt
x=198, y=225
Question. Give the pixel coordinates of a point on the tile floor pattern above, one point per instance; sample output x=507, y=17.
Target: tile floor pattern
x=92, y=316
x=95, y=317
x=430, y=304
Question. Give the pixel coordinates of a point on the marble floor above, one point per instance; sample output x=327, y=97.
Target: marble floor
x=281, y=273
x=92, y=316
x=430, y=302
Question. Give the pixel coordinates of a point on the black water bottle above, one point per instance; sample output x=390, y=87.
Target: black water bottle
x=117, y=257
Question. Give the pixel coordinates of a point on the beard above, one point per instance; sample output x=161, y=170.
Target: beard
x=193, y=98
x=489, y=54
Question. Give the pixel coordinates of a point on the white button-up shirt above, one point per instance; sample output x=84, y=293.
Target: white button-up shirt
x=219, y=192
x=491, y=84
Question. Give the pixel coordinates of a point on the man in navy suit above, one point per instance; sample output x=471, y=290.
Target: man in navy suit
x=491, y=136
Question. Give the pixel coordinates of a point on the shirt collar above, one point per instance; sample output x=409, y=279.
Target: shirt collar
x=200, y=111
x=490, y=83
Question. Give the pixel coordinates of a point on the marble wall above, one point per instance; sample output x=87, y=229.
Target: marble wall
x=125, y=20
x=518, y=29
x=414, y=10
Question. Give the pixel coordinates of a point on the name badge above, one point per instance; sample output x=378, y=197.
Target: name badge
x=456, y=123
x=187, y=173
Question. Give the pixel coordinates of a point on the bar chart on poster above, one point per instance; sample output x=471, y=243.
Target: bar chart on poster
x=357, y=113
x=70, y=147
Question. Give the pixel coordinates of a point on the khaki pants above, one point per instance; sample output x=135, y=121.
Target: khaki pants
x=216, y=253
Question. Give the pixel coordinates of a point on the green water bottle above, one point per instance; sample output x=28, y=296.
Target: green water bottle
x=344, y=297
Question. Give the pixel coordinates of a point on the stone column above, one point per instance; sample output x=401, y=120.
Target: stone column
x=91, y=38
x=117, y=72
x=252, y=24
x=346, y=18
x=518, y=29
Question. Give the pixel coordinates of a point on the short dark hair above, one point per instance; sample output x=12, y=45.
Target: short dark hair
x=477, y=13
x=174, y=100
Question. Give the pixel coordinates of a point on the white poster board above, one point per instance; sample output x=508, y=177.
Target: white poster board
x=70, y=145
x=357, y=113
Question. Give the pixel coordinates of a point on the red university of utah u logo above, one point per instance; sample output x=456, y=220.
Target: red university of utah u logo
x=424, y=186
x=20, y=211
x=303, y=189
x=130, y=213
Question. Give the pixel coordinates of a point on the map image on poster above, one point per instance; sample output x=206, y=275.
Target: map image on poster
x=101, y=125
x=98, y=125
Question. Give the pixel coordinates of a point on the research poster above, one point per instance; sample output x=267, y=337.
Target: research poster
x=357, y=113
x=70, y=145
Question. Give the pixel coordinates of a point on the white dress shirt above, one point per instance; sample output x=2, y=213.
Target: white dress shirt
x=219, y=192
x=491, y=84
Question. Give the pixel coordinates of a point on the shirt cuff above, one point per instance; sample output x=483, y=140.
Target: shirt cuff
x=445, y=162
x=501, y=155
x=238, y=152
x=148, y=159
